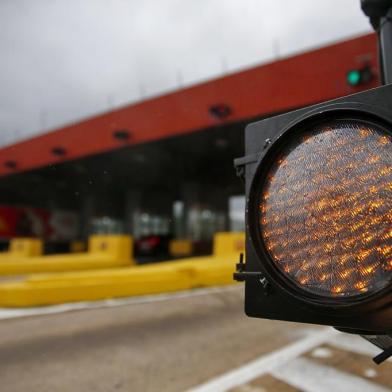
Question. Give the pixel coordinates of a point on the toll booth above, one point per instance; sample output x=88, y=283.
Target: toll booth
x=162, y=169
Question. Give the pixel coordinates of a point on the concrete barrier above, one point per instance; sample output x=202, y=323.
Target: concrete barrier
x=77, y=246
x=180, y=248
x=48, y=289
x=47, y=292
x=21, y=248
x=227, y=243
x=103, y=252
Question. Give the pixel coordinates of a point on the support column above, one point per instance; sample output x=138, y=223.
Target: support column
x=133, y=206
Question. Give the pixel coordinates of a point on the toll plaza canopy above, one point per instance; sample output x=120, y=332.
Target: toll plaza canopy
x=285, y=84
x=178, y=146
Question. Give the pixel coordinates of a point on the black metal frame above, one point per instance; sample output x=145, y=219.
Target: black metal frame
x=385, y=42
x=283, y=301
x=257, y=186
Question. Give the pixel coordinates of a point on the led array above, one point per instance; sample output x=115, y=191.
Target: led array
x=326, y=209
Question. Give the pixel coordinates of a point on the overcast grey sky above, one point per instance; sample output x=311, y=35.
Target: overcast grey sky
x=63, y=60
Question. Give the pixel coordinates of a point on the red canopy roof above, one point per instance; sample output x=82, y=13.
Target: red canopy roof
x=285, y=84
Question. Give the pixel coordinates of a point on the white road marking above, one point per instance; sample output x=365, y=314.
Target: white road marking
x=9, y=313
x=251, y=388
x=311, y=377
x=370, y=373
x=355, y=344
x=266, y=363
x=321, y=352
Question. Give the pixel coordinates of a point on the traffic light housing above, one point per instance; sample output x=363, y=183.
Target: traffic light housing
x=359, y=76
x=318, y=186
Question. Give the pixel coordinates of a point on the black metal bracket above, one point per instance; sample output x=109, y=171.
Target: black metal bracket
x=384, y=342
x=242, y=276
x=240, y=172
x=240, y=163
x=383, y=356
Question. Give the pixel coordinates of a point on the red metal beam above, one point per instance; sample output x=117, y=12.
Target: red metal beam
x=297, y=81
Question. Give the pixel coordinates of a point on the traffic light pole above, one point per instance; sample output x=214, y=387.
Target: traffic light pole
x=380, y=15
x=385, y=39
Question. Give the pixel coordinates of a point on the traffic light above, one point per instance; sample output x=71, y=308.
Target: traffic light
x=359, y=76
x=318, y=184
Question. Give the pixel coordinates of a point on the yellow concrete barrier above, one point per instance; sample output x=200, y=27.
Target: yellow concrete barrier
x=227, y=243
x=178, y=248
x=119, y=247
x=21, y=248
x=46, y=289
x=77, y=247
x=103, y=252
x=47, y=292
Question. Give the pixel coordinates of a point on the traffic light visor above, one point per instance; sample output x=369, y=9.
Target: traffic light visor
x=325, y=209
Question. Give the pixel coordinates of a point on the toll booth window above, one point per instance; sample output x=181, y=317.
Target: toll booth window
x=106, y=225
x=203, y=222
x=146, y=224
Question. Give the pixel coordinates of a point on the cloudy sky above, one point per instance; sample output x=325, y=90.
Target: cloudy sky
x=63, y=60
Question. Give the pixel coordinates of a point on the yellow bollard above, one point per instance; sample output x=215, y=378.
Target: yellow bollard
x=77, y=247
x=23, y=247
x=117, y=247
x=228, y=243
x=104, y=252
x=178, y=248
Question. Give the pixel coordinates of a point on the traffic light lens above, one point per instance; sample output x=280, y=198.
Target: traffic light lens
x=326, y=209
x=353, y=77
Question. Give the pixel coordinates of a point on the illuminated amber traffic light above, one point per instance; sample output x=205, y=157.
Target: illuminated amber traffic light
x=326, y=209
x=318, y=184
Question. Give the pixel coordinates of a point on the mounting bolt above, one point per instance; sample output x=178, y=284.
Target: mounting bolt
x=267, y=142
x=265, y=284
x=240, y=172
x=241, y=265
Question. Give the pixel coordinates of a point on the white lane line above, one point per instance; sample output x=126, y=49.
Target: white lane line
x=266, y=363
x=8, y=313
x=309, y=376
x=355, y=344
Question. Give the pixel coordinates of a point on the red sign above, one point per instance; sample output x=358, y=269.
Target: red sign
x=37, y=222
